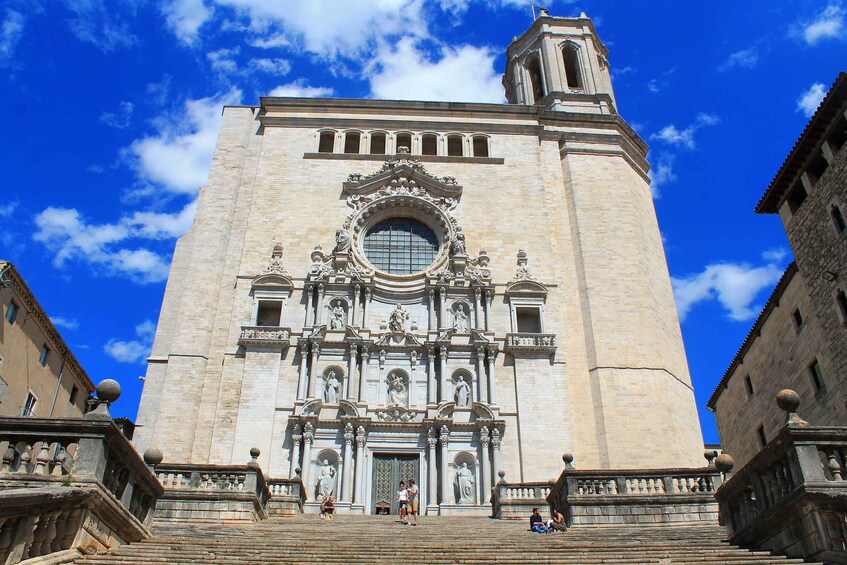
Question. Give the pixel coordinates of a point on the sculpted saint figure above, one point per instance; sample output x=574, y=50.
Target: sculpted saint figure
x=337, y=320
x=462, y=394
x=457, y=245
x=333, y=388
x=326, y=479
x=460, y=320
x=465, y=480
x=397, y=321
x=342, y=240
x=396, y=391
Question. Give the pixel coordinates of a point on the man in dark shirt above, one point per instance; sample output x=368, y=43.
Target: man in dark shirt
x=536, y=522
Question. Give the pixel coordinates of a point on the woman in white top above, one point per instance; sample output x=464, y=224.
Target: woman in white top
x=402, y=501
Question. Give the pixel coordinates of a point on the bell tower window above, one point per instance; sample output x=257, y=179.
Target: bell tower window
x=533, y=69
x=570, y=54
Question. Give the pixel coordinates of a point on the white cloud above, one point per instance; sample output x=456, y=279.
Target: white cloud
x=734, y=285
x=619, y=72
x=99, y=24
x=156, y=225
x=660, y=174
x=11, y=31
x=745, y=59
x=67, y=323
x=299, y=89
x=402, y=71
x=829, y=24
x=225, y=62
x=455, y=7
x=775, y=255
x=185, y=18
x=178, y=156
x=120, y=119
x=809, y=100
x=159, y=91
x=133, y=351
x=6, y=210
x=672, y=135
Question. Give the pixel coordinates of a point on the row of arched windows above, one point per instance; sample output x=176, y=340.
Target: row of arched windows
x=388, y=143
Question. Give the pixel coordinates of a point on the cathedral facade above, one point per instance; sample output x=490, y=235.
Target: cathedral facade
x=382, y=290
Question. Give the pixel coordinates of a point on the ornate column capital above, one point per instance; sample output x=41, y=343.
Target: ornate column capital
x=484, y=438
x=477, y=292
x=321, y=289
x=492, y=352
x=367, y=293
x=365, y=353
x=354, y=350
x=444, y=435
x=495, y=438
x=431, y=438
x=480, y=351
x=348, y=433
x=360, y=437
x=309, y=432
x=489, y=296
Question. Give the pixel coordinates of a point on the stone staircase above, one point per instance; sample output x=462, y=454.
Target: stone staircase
x=437, y=540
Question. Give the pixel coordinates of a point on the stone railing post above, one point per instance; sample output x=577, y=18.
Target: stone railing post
x=251, y=479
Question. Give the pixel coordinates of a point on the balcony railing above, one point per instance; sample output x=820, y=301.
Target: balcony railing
x=530, y=343
x=264, y=336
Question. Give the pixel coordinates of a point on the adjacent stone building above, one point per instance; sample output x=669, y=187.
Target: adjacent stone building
x=800, y=339
x=39, y=375
x=382, y=290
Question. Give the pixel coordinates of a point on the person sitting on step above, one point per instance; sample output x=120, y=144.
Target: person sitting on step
x=536, y=523
x=323, y=508
x=557, y=522
x=329, y=508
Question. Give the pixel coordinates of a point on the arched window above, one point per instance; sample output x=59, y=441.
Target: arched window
x=837, y=219
x=404, y=140
x=429, y=144
x=570, y=54
x=480, y=146
x=454, y=146
x=400, y=246
x=327, y=142
x=533, y=69
x=352, y=141
x=378, y=143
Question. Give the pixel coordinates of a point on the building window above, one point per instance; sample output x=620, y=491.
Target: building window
x=528, y=320
x=269, y=313
x=837, y=219
x=12, y=312
x=816, y=375
x=760, y=433
x=454, y=146
x=45, y=353
x=352, y=141
x=429, y=144
x=816, y=168
x=480, y=146
x=74, y=394
x=404, y=140
x=533, y=69
x=797, y=318
x=3, y=387
x=570, y=54
x=378, y=143
x=748, y=382
x=400, y=246
x=796, y=196
x=327, y=142
x=28, y=409
x=841, y=303
x=839, y=135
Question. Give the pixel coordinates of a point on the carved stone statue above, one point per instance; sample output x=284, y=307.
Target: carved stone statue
x=460, y=319
x=342, y=240
x=332, y=388
x=326, y=479
x=396, y=391
x=457, y=245
x=465, y=481
x=462, y=394
x=336, y=322
x=397, y=322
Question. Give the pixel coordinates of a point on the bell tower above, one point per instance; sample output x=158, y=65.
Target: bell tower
x=561, y=64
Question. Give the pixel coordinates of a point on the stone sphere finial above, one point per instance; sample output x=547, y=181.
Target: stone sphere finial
x=255, y=452
x=298, y=470
x=788, y=401
x=153, y=456
x=709, y=455
x=502, y=474
x=568, y=459
x=724, y=463
x=108, y=390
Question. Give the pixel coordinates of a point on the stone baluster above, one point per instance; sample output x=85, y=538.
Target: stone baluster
x=444, y=468
x=8, y=457
x=442, y=307
x=431, y=386
x=302, y=382
x=834, y=464
x=367, y=308
x=363, y=375
x=492, y=382
x=485, y=459
x=359, y=494
x=489, y=300
x=431, y=325
x=25, y=459
x=442, y=358
x=296, y=438
x=49, y=533
x=432, y=473
x=347, y=478
x=481, y=379
x=319, y=310
x=477, y=318
x=313, y=370
x=309, y=291
x=308, y=438
x=354, y=314
x=495, y=452
x=351, y=383
x=43, y=458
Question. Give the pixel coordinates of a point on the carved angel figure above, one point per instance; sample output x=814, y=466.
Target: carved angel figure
x=465, y=480
x=397, y=322
x=462, y=393
x=457, y=245
x=396, y=391
x=326, y=479
x=332, y=388
x=460, y=319
x=342, y=240
x=337, y=320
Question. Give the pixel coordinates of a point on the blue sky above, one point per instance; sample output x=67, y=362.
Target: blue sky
x=110, y=110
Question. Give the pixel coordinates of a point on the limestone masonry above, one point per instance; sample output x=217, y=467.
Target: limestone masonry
x=380, y=290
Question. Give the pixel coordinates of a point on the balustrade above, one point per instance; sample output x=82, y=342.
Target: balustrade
x=517, y=343
x=264, y=336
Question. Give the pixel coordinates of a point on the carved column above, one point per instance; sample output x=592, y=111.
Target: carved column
x=492, y=383
x=444, y=438
x=442, y=307
x=477, y=295
x=319, y=311
x=481, y=377
x=495, y=454
x=313, y=370
x=432, y=441
x=431, y=387
x=355, y=306
x=347, y=480
x=308, y=438
x=367, y=308
x=309, y=291
x=432, y=324
x=485, y=458
x=302, y=383
x=363, y=375
x=351, y=384
x=296, y=437
x=442, y=358
x=413, y=365
x=381, y=390
x=489, y=300
x=360, y=465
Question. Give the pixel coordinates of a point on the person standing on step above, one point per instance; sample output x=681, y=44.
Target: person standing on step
x=402, y=502
x=413, y=503
x=536, y=523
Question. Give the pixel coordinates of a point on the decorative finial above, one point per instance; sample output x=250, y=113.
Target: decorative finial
x=254, y=458
x=724, y=463
x=710, y=455
x=153, y=456
x=568, y=459
x=788, y=401
x=108, y=391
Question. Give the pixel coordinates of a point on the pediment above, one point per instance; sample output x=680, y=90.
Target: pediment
x=273, y=281
x=406, y=176
x=399, y=339
x=527, y=288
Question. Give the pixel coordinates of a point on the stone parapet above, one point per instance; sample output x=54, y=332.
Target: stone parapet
x=287, y=497
x=515, y=501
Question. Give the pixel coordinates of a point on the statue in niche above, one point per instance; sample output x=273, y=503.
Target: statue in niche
x=336, y=321
x=462, y=393
x=326, y=479
x=457, y=245
x=397, y=321
x=343, y=240
x=465, y=481
x=460, y=319
x=332, y=388
x=396, y=390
